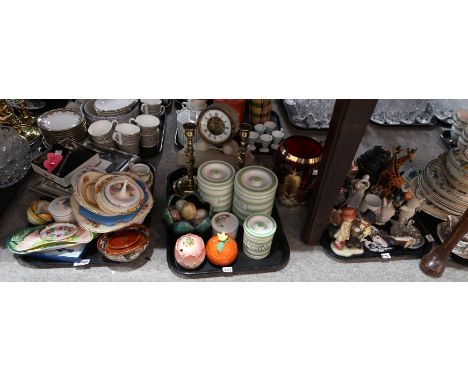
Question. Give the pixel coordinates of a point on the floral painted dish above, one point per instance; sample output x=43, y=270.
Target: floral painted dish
x=58, y=231
x=108, y=197
x=28, y=240
x=101, y=228
x=112, y=220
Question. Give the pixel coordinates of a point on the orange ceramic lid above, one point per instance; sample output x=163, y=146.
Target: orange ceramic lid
x=221, y=250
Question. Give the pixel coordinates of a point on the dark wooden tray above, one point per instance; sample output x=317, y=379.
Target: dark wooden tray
x=91, y=253
x=276, y=260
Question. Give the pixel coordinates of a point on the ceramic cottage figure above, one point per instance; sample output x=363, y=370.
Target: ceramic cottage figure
x=344, y=231
x=358, y=189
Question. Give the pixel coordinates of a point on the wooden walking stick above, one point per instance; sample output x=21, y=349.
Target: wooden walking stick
x=434, y=262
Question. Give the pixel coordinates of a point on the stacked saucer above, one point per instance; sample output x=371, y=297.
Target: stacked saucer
x=444, y=184
x=114, y=107
x=107, y=203
x=215, y=182
x=89, y=111
x=254, y=191
x=59, y=124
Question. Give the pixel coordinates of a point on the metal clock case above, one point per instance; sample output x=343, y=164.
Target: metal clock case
x=218, y=123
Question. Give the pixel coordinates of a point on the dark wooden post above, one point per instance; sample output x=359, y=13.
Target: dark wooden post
x=347, y=126
x=434, y=262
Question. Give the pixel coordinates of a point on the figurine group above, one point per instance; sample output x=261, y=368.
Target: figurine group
x=374, y=199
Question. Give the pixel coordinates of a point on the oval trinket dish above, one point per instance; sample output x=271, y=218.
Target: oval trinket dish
x=124, y=245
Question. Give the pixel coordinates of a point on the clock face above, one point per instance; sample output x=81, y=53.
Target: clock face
x=215, y=126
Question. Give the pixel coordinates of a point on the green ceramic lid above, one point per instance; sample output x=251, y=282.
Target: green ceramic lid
x=259, y=225
x=216, y=172
x=256, y=179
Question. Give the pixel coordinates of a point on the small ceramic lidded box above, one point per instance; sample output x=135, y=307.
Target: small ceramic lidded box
x=258, y=235
x=189, y=251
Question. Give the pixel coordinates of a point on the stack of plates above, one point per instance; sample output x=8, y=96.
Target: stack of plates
x=215, y=182
x=120, y=115
x=254, y=192
x=59, y=124
x=444, y=184
x=107, y=203
x=114, y=107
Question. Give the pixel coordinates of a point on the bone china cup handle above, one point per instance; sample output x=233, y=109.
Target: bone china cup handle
x=144, y=108
x=133, y=121
x=117, y=137
x=162, y=109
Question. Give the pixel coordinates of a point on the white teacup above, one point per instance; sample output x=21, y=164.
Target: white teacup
x=126, y=134
x=146, y=122
x=278, y=136
x=101, y=131
x=152, y=106
x=270, y=126
x=142, y=170
x=195, y=104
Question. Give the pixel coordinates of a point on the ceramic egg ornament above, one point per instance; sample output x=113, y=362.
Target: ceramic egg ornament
x=189, y=211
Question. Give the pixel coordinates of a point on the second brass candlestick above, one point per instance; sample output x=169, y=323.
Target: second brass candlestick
x=188, y=183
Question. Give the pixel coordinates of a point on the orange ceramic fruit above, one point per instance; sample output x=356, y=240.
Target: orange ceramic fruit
x=221, y=250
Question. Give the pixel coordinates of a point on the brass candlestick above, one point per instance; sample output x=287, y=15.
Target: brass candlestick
x=244, y=134
x=7, y=115
x=26, y=124
x=434, y=262
x=188, y=183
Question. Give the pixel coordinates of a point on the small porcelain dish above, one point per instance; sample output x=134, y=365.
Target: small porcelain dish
x=124, y=245
x=61, y=210
x=38, y=213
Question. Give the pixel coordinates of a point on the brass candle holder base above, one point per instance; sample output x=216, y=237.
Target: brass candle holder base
x=182, y=186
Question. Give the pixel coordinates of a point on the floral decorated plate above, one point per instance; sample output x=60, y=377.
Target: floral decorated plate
x=28, y=240
x=58, y=231
x=119, y=194
x=101, y=228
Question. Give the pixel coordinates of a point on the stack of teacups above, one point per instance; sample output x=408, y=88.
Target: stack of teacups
x=254, y=191
x=152, y=106
x=127, y=137
x=215, y=184
x=259, y=231
x=101, y=132
x=149, y=129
